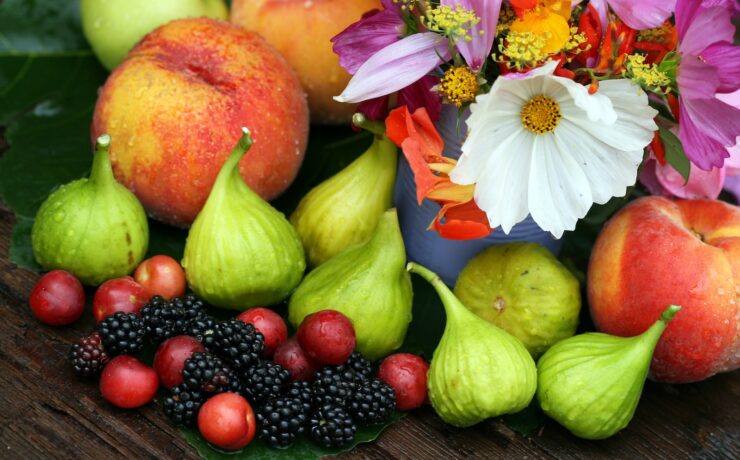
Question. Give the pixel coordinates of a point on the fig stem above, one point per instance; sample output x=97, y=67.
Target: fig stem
x=669, y=313
x=102, y=171
x=449, y=300
x=361, y=121
x=231, y=166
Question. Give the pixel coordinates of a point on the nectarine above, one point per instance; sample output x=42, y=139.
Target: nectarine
x=656, y=252
x=301, y=30
x=175, y=106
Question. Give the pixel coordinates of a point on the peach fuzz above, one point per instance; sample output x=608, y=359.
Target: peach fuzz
x=301, y=30
x=655, y=252
x=175, y=106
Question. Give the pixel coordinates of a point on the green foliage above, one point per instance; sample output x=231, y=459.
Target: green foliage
x=675, y=155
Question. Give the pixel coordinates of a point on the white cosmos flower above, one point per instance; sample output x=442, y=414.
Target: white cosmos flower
x=542, y=145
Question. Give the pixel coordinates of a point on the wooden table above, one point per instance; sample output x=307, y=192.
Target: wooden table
x=46, y=412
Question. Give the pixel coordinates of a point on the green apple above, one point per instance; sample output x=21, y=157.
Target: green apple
x=113, y=27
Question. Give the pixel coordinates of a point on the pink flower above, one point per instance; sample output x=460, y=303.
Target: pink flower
x=476, y=50
x=638, y=14
x=376, y=30
x=417, y=95
x=709, y=64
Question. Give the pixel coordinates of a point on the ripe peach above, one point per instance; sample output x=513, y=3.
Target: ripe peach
x=175, y=106
x=301, y=30
x=656, y=252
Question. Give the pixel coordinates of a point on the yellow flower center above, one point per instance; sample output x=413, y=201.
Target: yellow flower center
x=541, y=114
x=459, y=85
x=522, y=50
x=646, y=74
x=452, y=21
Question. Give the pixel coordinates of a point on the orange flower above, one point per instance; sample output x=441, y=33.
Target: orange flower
x=545, y=18
x=422, y=146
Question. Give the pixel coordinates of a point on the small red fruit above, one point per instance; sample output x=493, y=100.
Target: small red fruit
x=291, y=356
x=57, y=299
x=171, y=356
x=327, y=336
x=227, y=421
x=269, y=324
x=119, y=294
x=161, y=275
x=407, y=375
x=126, y=382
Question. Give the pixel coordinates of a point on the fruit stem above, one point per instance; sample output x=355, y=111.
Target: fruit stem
x=447, y=297
x=102, y=171
x=361, y=121
x=231, y=166
x=669, y=313
x=653, y=333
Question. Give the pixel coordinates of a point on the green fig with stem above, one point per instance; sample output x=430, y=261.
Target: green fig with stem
x=94, y=228
x=478, y=370
x=240, y=251
x=343, y=210
x=591, y=383
x=369, y=284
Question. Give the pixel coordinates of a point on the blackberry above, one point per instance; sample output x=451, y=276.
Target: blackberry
x=302, y=390
x=362, y=367
x=238, y=343
x=206, y=373
x=264, y=381
x=373, y=402
x=332, y=426
x=164, y=319
x=333, y=385
x=182, y=405
x=122, y=333
x=202, y=328
x=281, y=420
x=88, y=356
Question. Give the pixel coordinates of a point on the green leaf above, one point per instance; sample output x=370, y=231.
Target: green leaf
x=675, y=155
x=303, y=449
x=28, y=27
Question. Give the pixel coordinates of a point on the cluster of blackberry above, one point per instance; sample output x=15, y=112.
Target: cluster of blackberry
x=330, y=408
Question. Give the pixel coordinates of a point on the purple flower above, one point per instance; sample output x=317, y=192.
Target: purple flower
x=638, y=14
x=403, y=62
x=709, y=64
x=376, y=30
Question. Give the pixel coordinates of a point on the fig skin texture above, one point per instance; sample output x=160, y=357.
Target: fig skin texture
x=591, y=383
x=478, y=370
x=523, y=289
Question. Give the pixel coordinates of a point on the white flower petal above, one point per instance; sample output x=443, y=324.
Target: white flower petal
x=559, y=192
x=597, y=106
x=473, y=161
x=501, y=190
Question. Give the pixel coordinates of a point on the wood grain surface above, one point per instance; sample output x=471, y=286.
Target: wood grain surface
x=46, y=412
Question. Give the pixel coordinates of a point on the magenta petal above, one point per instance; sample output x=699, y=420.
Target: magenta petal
x=697, y=79
x=702, y=184
x=700, y=27
x=420, y=94
x=642, y=14
x=355, y=44
x=479, y=47
x=707, y=127
x=649, y=179
x=396, y=66
x=602, y=9
x=374, y=109
x=726, y=59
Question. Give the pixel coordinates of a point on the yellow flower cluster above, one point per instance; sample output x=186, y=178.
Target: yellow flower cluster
x=459, y=85
x=505, y=18
x=574, y=40
x=655, y=35
x=452, y=21
x=406, y=4
x=645, y=74
x=523, y=49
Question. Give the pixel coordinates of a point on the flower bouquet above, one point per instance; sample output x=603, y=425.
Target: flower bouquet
x=558, y=104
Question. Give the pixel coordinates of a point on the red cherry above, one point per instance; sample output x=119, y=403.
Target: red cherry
x=128, y=383
x=171, y=356
x=227, y=421
x=327, y=336
x=57, y=299
x=161, y=275
x=291, y=356
x=119, y=294
x=269, y=324
x=407, y=375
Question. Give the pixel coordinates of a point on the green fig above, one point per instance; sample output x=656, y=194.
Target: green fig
x=478, y=370
x=343, y=210
x=523, y=289
x=369, y=284
x=591, y=383
x=94, y=227
x=240, y=251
